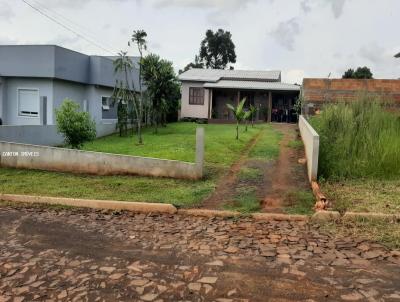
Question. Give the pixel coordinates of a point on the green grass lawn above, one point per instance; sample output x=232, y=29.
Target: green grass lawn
x=364, y=195
x=176, y=141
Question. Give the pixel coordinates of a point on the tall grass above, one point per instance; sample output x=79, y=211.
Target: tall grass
x=358, y=139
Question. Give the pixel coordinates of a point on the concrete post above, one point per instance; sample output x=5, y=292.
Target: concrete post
x=200, y=151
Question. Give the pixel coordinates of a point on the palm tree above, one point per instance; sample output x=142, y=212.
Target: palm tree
x=139, y=38
x=252, y=111
x=160, y=79
x=238, y=113
x=246, y=117
x=123, y=93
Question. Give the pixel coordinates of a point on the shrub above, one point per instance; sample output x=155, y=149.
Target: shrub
x=76, y=127
x=358, y=139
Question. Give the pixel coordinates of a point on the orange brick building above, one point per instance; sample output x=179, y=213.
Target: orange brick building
x=316, y=92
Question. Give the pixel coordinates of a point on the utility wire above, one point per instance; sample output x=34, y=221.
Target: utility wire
x=84, y=30
x=67, y=28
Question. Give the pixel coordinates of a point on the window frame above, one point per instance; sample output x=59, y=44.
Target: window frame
x=196, y=99
x=107, y=105
x=27, y=115
x=107, y=109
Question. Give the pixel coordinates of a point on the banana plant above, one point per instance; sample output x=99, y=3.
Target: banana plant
x=238, y=113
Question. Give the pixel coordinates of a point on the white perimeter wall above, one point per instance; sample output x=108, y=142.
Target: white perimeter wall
x=311, y=144
x=68, y=160
x=199, y=111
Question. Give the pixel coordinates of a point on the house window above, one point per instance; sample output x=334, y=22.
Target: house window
x=196, y=96
x=109, y=108
x=28, y=102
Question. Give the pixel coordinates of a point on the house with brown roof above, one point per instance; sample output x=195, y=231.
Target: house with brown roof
x=206, y=92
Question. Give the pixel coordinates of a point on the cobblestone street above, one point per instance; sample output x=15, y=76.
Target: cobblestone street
x=85, y=255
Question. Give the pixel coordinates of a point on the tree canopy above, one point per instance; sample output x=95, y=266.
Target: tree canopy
x=359, y=73
x=217, y=49
x=196, y=64
x=162, y=86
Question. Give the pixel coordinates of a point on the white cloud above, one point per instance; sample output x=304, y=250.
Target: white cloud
x=285, y=33
x=372, y=52
x=305, y=6
x=337, y=7
x=320, y=43
x=293, y=76
x=6, y=13
x=7, y=40
x=65, y=40
x=213, y=4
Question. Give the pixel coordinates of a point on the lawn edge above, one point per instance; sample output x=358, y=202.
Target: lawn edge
x=140, y=207
x=144, y=207
x=333, y=216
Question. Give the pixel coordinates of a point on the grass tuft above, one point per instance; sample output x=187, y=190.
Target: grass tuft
x=299, y=202
x=247, y=173
x=245, y=200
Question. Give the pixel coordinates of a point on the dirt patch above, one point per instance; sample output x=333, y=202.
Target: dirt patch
x=226, y=186
x=286, y=174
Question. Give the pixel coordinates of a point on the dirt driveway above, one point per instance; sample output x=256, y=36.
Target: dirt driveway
x=278, y=178
x=286, y=174
x=87, y=255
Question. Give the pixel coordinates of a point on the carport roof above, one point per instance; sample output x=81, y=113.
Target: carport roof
x=253, y=85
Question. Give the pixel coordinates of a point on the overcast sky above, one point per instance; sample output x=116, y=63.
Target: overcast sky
x=304, y=38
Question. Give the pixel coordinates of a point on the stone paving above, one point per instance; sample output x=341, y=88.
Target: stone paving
x=86, y=255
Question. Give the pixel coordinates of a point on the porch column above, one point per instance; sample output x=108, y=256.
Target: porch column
x=210, y=103
x=269, y=113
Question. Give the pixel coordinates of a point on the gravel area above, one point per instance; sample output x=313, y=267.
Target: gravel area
x=49, y=254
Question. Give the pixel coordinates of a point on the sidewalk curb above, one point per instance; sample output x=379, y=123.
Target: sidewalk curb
x=351, y=216
x=145, y=207
x=279, y=217
x=140, y=207
x=208, y=213
x=325, y=216
x=332, y=216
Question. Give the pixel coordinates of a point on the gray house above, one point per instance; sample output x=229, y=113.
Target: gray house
x=206, y=92
x=34, y=81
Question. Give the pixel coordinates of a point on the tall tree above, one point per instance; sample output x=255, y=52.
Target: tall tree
x=162, y=84
x=217, y=49
x=139, y=38
x=196, y=64
x=348, y=74
x=124, y=92
x=359, y=73
x=363, y=73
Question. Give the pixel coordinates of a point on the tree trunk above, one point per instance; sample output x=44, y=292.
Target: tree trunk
x=139, y=118
x=237, y=130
